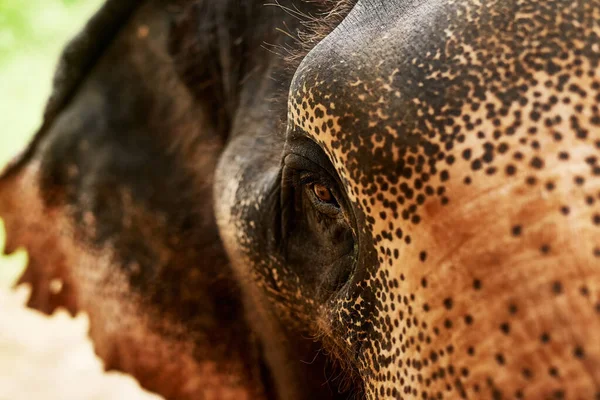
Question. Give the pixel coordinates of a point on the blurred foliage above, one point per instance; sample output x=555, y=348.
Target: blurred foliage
x=32, y=35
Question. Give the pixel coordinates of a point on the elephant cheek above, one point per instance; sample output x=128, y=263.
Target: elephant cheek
x=509, y=320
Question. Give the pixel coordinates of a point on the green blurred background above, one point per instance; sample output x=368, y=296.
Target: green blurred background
x=32, y=35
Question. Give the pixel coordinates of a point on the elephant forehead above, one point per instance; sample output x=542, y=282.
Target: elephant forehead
x=471, y=98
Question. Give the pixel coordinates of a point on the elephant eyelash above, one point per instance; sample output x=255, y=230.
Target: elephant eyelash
x=306, y=179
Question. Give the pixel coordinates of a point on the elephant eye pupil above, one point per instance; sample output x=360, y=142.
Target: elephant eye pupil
x=323, y=193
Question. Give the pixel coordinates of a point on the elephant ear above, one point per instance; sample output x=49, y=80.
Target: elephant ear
x=113, y=202
x=27, y=221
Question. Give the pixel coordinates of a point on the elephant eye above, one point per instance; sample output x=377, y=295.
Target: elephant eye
x=312, y=182
x=323, y=198
x=323, y=193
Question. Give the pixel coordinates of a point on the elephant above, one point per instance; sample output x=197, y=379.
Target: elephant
x=380, y=199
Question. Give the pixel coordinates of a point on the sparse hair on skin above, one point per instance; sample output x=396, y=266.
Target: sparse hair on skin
x=313, y=28
x=196, y=30
x=329, y=14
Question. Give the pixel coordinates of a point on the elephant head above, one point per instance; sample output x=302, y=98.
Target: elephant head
x=429, y=209
x=408, y=207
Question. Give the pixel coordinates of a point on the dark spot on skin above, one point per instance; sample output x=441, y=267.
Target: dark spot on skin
x=516, y=230
x=500, y=359
x=467, y=154
x=510, y=170
x=578, y=352
x=545, y=337
x=557, y=287
x=537, y=163
x=477, y=284
x=448, y=303
x=433, y=356
x=488, y=157
x=589, y=200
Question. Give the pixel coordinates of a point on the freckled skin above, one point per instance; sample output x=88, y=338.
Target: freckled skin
x=465, y=138
x=413, y=212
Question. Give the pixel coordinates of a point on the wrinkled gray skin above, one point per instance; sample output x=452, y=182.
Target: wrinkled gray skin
x=412, y=212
